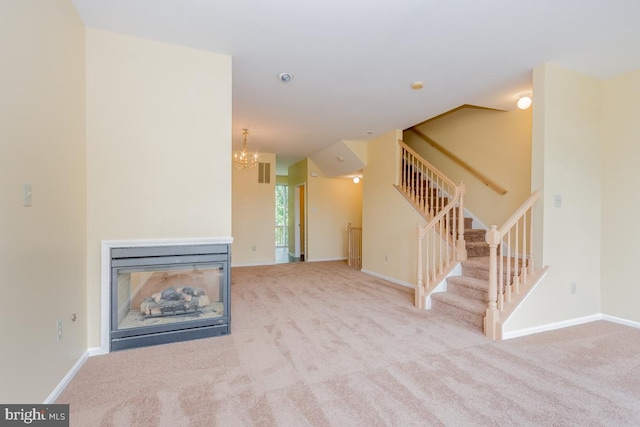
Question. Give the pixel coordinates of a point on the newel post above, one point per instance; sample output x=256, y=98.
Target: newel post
x=461, y=248
x=419, y=292
x=492, y=314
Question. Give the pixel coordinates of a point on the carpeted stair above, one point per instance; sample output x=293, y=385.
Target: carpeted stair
x=467, y=295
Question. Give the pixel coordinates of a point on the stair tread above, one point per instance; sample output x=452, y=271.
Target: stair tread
x=480, y=263
x=477, y=244
x=470, y=282
x=470, y=305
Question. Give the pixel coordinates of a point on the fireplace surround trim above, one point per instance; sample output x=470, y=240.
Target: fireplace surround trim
x=105, y=273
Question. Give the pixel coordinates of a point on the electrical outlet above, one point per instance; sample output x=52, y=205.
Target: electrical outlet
x=59, y=328
x=573, y=287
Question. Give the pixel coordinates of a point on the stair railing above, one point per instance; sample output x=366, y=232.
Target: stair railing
x=441, y=202
x=510, y=261
x=354, y=251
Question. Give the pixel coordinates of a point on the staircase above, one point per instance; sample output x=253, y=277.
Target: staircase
x=467, y=295
x=497, y=265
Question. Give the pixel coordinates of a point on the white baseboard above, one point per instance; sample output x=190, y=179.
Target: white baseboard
x=551, y=326
x=67, y=379
x=570, y=322
x=389, y=279
x=253, y=264
x=621, y=321
x=326, y=259
x=94, y=351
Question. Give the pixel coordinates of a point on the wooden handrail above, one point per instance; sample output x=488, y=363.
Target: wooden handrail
x=510, y=262
x=441, y=202
x=464, y=165
x=518, y=214
x=442, y=176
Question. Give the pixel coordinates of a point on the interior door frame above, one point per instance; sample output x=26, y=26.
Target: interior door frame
x=300, y=218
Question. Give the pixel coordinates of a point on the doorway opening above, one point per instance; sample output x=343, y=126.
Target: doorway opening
x=282, y=244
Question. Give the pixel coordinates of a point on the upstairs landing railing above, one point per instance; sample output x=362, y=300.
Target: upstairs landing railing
x=354, y=250
x=441, y=202
x=510, y=263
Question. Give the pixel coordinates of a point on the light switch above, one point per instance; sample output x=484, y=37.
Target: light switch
x=26, y=195
x=557, y=200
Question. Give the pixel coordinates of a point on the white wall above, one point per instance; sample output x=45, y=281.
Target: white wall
x=566, y=161
x=253, y=215
x=389, y=222
x=620, y=201
x=158, y=146
x=42, y=247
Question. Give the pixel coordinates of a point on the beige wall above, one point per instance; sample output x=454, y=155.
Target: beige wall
x=496, y=143
x=332, y=204
x=389, y=223
x=158, y=146
x=253, y=215
x=359, y=148
x=620, y=201
x=42, y=247
x=566, y=161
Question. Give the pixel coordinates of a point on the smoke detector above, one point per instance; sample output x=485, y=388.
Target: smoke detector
x=285, y=77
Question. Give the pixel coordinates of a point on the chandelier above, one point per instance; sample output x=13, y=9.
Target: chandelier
x=244, y=159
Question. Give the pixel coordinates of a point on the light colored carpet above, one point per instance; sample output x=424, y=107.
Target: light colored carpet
x=318, y=344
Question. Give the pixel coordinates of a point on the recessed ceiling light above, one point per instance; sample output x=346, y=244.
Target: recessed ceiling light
x=417, y=85
x=524, y=101
x=369, y=132
x=285, y=77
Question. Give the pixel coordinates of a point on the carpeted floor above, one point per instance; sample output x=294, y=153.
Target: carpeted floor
x=318, y=344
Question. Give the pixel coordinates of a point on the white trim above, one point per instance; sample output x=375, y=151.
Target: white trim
x=67, y=379
x=94, y=351
x=326, y=259
x=442, y=286
x=552, y=326
x=254, y=264
x=621, y=321
x=105, y=274
x=389, y=279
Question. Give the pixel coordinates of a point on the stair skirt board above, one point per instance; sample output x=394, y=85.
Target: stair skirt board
x=442, y=286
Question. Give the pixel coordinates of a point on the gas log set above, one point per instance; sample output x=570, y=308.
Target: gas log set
x=174, y=301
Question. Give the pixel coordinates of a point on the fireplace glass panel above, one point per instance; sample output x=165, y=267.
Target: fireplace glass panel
x=163, y=295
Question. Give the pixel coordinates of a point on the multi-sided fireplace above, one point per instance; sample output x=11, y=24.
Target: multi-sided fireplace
x=162, y=294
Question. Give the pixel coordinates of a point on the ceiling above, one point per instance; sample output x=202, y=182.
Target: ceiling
x=354, y=61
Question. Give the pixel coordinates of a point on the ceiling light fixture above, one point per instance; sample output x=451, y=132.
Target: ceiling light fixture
x=244, y=159
x=285, y=77
x=417, y=85
x=524, y=102
x=356, y=179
